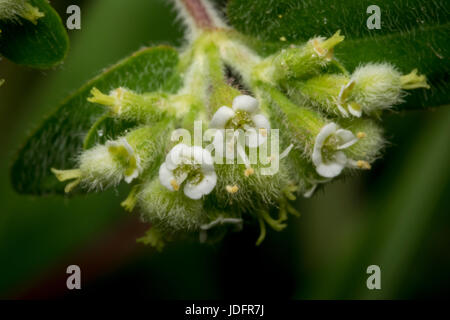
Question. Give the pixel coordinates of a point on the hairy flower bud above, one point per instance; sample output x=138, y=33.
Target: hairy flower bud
x=170, y=210
x=305, y=61
x=12, y=10
x=379, y=86
x=126, y=158
x=371, y=88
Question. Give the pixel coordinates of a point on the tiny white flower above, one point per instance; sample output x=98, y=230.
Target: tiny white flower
x=334, y=161
x=132, y=160
x=244, y=115
x=352, y=107
x=192, y=166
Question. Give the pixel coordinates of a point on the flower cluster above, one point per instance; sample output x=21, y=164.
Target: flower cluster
x=326, y=123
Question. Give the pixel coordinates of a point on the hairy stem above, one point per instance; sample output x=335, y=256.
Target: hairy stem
x=199, y=13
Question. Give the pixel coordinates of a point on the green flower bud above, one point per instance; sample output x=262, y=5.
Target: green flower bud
x=13, y=9
x=326, y=93
x=371, y=88
x=126, y=158
x=370, y=143
x=143, y=108
x=322, y=142
x=246, y=189
x=170, y=210
x=379, y=86
x=305, y=61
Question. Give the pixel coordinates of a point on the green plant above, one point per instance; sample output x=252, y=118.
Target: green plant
x=31, y=33
x=327, y=118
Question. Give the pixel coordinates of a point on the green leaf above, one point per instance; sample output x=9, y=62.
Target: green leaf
x=61, y=137
x=39, y=46
x=413, y=34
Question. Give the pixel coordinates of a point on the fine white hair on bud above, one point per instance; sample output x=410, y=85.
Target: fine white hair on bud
x=377, y=86
x=106, y=165
x=305, y=61
x=170, y=210
x=12, y=10
x=191, y=166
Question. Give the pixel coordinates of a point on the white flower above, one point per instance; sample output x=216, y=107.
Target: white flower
x=244, y=115
x=192, y=166
x=122, y=150
x=334, y=161
x=354, y=108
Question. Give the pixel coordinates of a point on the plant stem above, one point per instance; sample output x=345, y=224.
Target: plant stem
x=199, y=13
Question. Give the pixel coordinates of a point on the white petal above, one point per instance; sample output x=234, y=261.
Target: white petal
x=221, y=148
x=196, y=191
x=346, y=138
x=166, y=176
x=333, y=168
x=344, y=88
x=218, y=143
x=254, y=139
x=127, y=146
x=177, y=155
x=221, y=117
x=324, y=133
x=131, y=177
x=329, y=170
x=308, y=193
x=242, y=154
x=208, y=162
x=261, y=121
x=245, y=103
x=342, y=110
x=203, y=157
x=355, y=112
x=137, y=171
x=341, y=158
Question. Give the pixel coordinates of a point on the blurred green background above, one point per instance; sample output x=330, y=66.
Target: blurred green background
x=395, y=216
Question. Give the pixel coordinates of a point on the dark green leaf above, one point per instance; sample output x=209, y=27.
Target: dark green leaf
x=61, y=137
x=413, y=34
x=40, y=46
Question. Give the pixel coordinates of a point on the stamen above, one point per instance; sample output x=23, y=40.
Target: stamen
x=249, y=171
x=232, y=189
x=174, y=185
x=361, y=135
x=263, y=132
x=363, y=165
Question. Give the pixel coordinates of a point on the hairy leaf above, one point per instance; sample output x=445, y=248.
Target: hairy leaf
x=59, y=140
x=413, y=34
x=40, y=46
